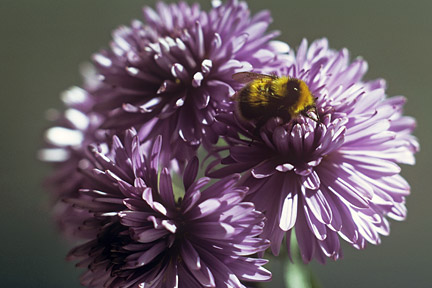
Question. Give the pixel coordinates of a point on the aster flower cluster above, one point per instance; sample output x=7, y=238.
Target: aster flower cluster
x=165, y=89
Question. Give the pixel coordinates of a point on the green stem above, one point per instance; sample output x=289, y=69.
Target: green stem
x=297, y=274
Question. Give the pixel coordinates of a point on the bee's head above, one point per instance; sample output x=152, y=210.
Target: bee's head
x=293, y=86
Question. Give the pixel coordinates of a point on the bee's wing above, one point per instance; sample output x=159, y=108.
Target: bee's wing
x=246, y=77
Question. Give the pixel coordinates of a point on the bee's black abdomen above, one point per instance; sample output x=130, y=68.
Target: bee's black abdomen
x=247, y=110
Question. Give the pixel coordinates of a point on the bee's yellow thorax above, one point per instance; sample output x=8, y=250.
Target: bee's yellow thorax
x=259, y=92
x=279, y=86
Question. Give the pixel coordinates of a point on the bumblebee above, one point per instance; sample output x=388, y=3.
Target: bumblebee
x=266, y=96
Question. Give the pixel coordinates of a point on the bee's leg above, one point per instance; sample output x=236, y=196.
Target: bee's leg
x=256, y=134
x=259, y=124
x=256, y=130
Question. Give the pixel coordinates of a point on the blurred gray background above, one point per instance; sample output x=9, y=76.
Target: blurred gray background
x=43, y=43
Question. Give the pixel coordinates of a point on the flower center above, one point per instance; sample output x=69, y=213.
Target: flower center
x=302, y=143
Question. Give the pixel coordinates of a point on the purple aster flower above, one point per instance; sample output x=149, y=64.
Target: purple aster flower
x=169, y=75
x=149, y=236
x=335, y=176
